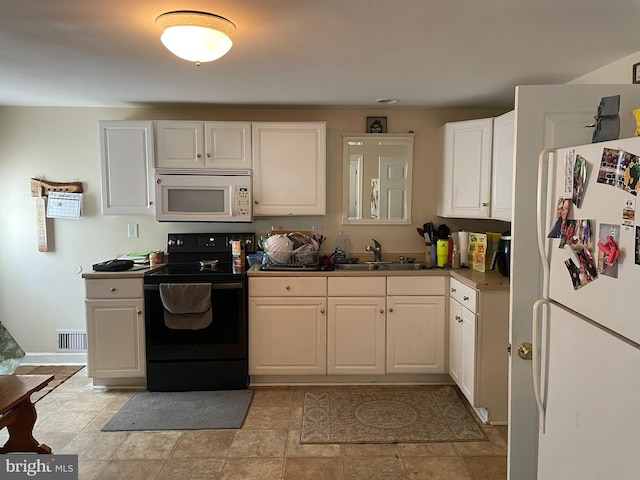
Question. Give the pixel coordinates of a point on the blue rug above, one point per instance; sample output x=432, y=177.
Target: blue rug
x=222, y=409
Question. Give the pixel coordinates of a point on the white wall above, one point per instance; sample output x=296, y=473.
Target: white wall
x=616, y=72
x=40, y=292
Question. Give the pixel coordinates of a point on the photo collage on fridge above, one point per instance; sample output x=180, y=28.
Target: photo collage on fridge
x=616, y=169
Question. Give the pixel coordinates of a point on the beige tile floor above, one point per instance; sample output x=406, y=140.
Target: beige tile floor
x=267, y=447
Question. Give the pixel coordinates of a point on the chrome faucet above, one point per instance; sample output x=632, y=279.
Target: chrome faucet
x=377, y=250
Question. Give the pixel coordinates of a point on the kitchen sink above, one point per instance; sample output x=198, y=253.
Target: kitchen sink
x=383, y=266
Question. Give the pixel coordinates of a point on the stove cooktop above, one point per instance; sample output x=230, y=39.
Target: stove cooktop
x=193, y=272
x=188, y=251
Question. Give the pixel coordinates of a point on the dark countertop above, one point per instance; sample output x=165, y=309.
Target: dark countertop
x=135, y=272
x=492, y=280
x=481, y=281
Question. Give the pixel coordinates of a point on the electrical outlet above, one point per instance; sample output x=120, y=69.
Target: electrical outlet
x=132, y=230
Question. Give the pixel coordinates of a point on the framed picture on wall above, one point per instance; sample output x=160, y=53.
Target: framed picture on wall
x=636, y=73
x=376, y=124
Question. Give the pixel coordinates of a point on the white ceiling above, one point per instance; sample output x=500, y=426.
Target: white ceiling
x=427, y=53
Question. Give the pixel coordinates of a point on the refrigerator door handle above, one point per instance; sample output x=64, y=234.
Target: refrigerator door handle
x=541, y=207
x=537, y=363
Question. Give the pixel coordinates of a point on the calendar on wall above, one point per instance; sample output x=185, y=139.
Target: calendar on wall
x=64, y=205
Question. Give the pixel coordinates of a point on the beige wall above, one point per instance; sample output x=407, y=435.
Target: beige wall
x=40, y=292
x=618, y=72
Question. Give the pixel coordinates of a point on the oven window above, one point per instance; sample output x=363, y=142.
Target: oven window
x=196, y=200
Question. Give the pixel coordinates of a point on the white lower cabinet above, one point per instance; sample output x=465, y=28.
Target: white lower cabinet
x=115, y=329
x=416, y=328
x=287, y=326
x=478, y=340
x=369, y=325
x=462, y=348
x=356, y=326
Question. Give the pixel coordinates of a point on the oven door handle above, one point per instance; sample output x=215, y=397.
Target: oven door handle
x=214, y=286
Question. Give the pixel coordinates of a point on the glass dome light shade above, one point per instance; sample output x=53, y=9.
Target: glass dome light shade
x=196, y=44
x=196, y=36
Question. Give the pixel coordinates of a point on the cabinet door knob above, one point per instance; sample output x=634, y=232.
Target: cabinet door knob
x=256, y=202
x=208, y=155
x=484, y=204
x=391, y=310
x=113, y=289
x=139, y=312
x=453, y=290
x=381, y=310
x=199, y=155
x=465, y=298
x=322, y=311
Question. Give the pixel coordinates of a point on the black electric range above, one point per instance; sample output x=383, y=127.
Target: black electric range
x=214, y=357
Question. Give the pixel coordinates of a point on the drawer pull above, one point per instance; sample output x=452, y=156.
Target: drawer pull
x=465, y=298
x=287, y=288
x=113, y=289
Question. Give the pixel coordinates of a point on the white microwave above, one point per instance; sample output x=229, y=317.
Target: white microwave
x=209, y=196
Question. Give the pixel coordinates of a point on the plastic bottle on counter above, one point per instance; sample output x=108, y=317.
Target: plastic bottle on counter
x=341, y=245
x=455, y=257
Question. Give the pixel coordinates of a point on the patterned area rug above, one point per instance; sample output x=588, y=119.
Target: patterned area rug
x=419, y=414
x=61, y=374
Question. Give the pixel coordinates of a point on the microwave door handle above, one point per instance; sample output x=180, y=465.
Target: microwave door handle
x=232, y=201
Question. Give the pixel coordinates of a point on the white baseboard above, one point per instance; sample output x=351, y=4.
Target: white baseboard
x=55, y=358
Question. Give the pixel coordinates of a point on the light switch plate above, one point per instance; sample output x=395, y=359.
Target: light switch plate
x=132, y=230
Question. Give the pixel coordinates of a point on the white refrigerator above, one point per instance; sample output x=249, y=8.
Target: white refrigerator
x=586, y=329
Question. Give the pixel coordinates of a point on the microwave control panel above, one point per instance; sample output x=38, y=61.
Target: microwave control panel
x=243, y=202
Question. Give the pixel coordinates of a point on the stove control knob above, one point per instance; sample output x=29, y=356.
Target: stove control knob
x=179, y=242
x=171, y=242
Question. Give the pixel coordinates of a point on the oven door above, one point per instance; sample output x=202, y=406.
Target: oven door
x=224, y=339
x=203, y=198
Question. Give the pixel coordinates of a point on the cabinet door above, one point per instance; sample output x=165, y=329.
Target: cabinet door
x=466, y=173
x=289, y=168
x=468, y=355
x=115, y=337
x=415, y=334
x=179, y=145
x=126, y=152
x=227, y=145
x=502, y=166
x=356, y=335
x=455, y=340
x=287, y=336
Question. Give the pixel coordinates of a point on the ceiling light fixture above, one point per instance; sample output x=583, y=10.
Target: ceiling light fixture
x=196, y=36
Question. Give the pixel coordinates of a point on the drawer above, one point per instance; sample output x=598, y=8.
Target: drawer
x=116, y=288
x=416, y=285
x=359, y=286
x=464, y=294
x=288, y=286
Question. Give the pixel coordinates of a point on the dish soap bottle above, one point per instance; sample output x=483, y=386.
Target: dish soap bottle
x=341, y=252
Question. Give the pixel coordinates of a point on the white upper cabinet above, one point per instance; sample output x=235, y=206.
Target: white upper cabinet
x=289, y=168
x=193, y=145
x=502, y=166
x=477, y=169
x=466, y=173
x=126, y=151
